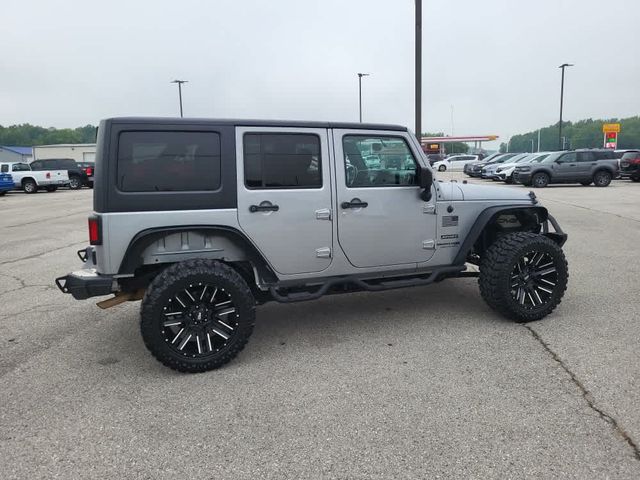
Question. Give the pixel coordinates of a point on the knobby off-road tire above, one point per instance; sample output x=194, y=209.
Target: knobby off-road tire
x=197, y=315
x=523, y=276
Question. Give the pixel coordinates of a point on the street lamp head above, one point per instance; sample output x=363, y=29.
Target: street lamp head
x=363, y=74
x=179, y=81
x=566, y=65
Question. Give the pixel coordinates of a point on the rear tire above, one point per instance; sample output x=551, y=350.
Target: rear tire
x=523, y=276
x=540, y=180
x=29, y=186
x=203, y=303
x=602, y=178
x=635, y=179
x=75, y=183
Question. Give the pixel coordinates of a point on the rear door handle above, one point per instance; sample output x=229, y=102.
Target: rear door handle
x=355, y=203
x=263, y=208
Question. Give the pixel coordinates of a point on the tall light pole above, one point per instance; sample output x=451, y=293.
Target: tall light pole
x=418, y=68
x=180, y=82
x=562, y=67
x=360, y=75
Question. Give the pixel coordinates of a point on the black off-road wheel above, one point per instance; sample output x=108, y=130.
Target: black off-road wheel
x=602, y=179
x=197, y=315
x=523, y=276
x=540, y=180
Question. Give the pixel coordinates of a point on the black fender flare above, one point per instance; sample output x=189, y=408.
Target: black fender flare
x=133, y=258
x=485, y=218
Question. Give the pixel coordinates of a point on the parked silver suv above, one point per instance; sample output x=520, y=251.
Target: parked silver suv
x=205, y=219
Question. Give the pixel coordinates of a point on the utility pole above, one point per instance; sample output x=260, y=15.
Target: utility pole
x=418, y=68
x=562, y=67
x=360, y=75
x=180, y=82
x=538, y=140
x=532, y=146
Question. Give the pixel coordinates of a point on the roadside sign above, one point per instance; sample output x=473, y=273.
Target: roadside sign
x=611, y=127
x=611, y=140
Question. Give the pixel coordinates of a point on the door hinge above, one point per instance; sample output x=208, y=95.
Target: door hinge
x=323, y=214
x=324, y=252
x=429, y=209
x=428, y=244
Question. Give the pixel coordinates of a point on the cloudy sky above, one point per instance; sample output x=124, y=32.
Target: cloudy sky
x=492, y=62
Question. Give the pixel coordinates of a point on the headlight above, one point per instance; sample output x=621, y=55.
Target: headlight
x=524, y=169
x=499, y=170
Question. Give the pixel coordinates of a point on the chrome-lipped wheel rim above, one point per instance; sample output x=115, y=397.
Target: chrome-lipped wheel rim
x=200, y=320
x=533, y=280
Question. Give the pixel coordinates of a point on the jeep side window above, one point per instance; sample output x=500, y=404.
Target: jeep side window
x=20, y=167
x=394, y=166
x=282, y=160
x=162, y=161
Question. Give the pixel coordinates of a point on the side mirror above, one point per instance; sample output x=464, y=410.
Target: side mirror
x=426, y=181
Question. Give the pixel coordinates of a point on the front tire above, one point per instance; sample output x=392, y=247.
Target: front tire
x=197, y=315
x=29, y=186
x=602, y=179
x=523, y=276
x=540, y=180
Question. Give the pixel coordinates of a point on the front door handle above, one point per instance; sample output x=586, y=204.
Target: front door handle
x=264, y=208
x=355, y=203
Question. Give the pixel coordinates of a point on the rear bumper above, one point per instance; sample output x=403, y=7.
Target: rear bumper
x=83, y=284
x=87, y=282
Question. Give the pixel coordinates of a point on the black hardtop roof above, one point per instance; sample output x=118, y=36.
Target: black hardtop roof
x=254, y=123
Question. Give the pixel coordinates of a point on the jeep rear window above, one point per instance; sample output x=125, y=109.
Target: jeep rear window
x=282, y=160
x=162, y=161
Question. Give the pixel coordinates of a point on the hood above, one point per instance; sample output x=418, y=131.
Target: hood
x=489, y=192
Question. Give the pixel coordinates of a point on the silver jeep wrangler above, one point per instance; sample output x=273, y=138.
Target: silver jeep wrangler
x=204, y=219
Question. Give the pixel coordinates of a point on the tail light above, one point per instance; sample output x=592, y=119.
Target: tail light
x=95, y=230
x=89, y=171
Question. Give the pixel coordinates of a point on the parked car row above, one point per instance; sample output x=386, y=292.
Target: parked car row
x=46, y=175
x=586, y=166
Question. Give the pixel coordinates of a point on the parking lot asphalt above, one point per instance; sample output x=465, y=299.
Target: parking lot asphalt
x=423, y=382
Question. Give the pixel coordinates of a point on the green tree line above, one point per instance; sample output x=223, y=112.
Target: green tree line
x=26, y=135
x=581, y=134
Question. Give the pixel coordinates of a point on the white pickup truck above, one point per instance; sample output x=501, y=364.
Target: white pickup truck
x=32, y=181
